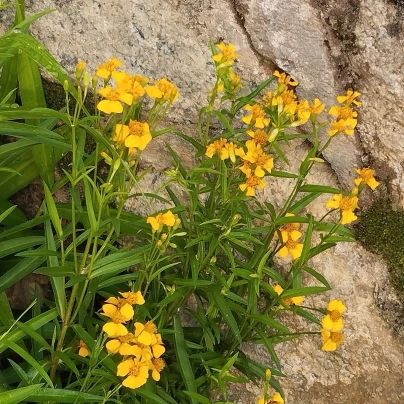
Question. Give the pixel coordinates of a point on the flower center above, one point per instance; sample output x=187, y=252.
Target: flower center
x=135, y=128
x=113, y=95
x=290, y=244
x=158, y=364
x=335, y=315
x=289, y=227
x=126, y=337
x=134, y=370
x=257, y=111
x=366, y=174
x=260, y=137
x=118, y=318
x=345, y=203
x=345, y=112
x=336, y=337
x=150, y=327
x=253, y=181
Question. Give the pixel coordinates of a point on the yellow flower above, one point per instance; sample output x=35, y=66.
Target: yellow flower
x=137, y=372
x=145, y=332
x=259, y=136
x=333, y=320
x=349, y=98
x=105, y=70
x=346, y=204
x=133, y=297
x=163, y=89
x=290, y=230
x=136, y=134
x=223, y=148
x=115, y=328
x=343, y=112
x=227, y=54
x=297, y=300
x=129, y=84
x=121, y=344
x=257, y=116
x=157, y=222
x=285, y=102
x=331, y=340
x=343, y=125
x=317, y=107
x=157, y=346
x=252, y=182
x=276, y=399
x=112, y=103
x=156, y=365
x=83, y=349
x=258, y=158
x=291, y=247
x=366, y=175
x=283, y=78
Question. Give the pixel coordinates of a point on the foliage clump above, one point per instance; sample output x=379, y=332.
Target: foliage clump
x=381, y=231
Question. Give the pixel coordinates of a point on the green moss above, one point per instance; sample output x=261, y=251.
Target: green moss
x=381, y=231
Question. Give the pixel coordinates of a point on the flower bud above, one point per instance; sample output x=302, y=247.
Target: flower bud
x=164, y=236
x=273, y=135
x=80, y=69
x=86, y=80
x=66, y=85
x=268, y=374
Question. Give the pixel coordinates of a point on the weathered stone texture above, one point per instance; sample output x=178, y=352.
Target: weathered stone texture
x=327, y=46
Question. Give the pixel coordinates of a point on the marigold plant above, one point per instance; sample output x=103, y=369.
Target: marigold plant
x=157, y=308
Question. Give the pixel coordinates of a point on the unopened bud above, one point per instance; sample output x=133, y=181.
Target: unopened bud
x=268, y=374
x=86, y=80
x=177, y=223
x=80, y=69
x=172, y=245
x=159, y=243
x=316, y=159
x=273, y=135
x=66, y=85
x=235, y=219
x=94, y=81
x=164, y=236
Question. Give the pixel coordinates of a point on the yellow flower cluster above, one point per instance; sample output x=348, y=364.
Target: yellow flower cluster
x=129, y=89
x=332, y=325
x=297, y=300
x=227, y=80
x=345, y=117
x=290, y=238
x=141, y=348
x=347, y=204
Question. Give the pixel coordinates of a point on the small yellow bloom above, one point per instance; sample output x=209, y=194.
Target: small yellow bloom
x=259, y=136
x=121, y=344
x=290, y=230
x=283, y=78
x=291, y=247
x=137, y=372
x=129, y=84
x=252, y=182
x=256, y=117
x=156, y=365
x=105, y=70
x=333, y=320
x=133, y=297
x=259, y=160
x=297, y=300
x=138, y=134
x=346, y=204
x=344, y=112
x=83, y=349
x=145, y=332
x=113, y=100
x=227, y=54
x=366, y=175
x=276, y=399
x=331, y=340
x=317, y=107
x=115, y=328
x=163, y=89
x=223, y=148
x=343, y=125
x=349, y=98
x=162, y=219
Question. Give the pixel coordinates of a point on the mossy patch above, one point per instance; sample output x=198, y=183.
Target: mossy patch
x=381, y=231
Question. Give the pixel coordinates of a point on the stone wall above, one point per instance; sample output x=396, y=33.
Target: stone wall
x=328, y=46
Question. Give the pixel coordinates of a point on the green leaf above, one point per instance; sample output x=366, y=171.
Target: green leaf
x=6, y=315
x=64, y=396
x=34, y=335
x=305, y=291
x=18, y=395
x=17, y=244
x=33, y=133
x=198, y=397
x=323, y=189
x=7, y=212
x=53, y=212
x=28, y=358
x=223, y=307
x=265, y=319
x=183, y=358
x=34, y=323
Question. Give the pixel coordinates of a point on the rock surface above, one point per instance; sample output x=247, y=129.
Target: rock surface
x=327, y=46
